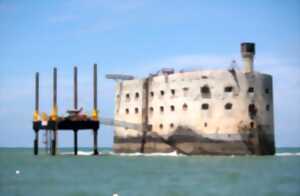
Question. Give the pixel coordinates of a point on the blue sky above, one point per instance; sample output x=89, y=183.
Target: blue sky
x=138, y=37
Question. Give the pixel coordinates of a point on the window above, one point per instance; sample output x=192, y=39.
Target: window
x=172, y=92
x=137, y=95
x=127, y=111
x=228, y=89
x=267, y=91
x=162, y=93
x=185, y=107
x=161, y=109
x=204, y=106
x=136, y=110
x=250, y=89
x=150, y=127
x=185, y=91
x=252, y=110
x=151, y=93
x=171, y=125
x=161, y=126
x=204, y=77
x=205, y=124
x=268, y=107
x=205, y=92
x=127, y=96
x=252, y=125
x=151, y=109
x=172, y=108
x=228, y=106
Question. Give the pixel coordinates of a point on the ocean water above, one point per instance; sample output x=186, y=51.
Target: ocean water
x=21, y=173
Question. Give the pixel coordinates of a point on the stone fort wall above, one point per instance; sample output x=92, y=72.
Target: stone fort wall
x=208, y=102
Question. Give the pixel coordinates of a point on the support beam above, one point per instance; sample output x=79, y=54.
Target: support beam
x=95, y=133
x=54, y=106
x=75, y=89
x=95, y=88
x=53, y=143
x=37, y=91
x=36, y=108
x=36, y=143
x=55, y=87
x=75, y=142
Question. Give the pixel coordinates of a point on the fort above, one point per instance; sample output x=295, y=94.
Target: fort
x=198, y=112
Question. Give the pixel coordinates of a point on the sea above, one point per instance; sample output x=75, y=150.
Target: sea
x=171, y=174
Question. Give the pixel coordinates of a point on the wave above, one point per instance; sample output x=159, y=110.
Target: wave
x=81, y=153
x=288, y=154
x=89, y=153
x=170, y=154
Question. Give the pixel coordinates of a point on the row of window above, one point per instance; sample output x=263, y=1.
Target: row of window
x=205, y=91
x=171, y=125
x=204, y=106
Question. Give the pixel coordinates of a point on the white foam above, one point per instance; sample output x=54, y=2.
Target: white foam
x=288, y=154
x=80, y=153
x=171, y=154
x=135, y=154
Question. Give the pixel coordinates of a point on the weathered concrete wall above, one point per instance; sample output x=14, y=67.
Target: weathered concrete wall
x=227, y=111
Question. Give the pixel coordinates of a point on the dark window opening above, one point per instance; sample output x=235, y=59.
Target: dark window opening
x=150, y=127
x=185, y=106
x=127, y=111
x=204, y=77
x=173, y=92
x=127, y=96
x=228, y=89
x=205, y=92
x=251, y=125
x=172, y=108
x=267, y=91
x=161, y=126
x=252, y=110
x=268, y=107
x=205, y=124
x=136, y=110
x=162, y=93
x=250, y=90
x=151, y=93
x=137, y=95
x=172, y=125
x=185, y=89
x=228, y=106
x=204, y=106
x=161, y=108
x=151, y=109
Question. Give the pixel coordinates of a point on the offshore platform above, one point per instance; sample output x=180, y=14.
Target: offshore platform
x=75, y=121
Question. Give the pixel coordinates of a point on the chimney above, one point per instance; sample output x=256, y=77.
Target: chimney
x=248, y=52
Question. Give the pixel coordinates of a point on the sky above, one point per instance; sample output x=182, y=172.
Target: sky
x=138, y=37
